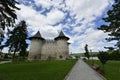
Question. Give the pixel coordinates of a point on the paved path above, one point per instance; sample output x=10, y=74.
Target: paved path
x=2, y=62
x=81, y=71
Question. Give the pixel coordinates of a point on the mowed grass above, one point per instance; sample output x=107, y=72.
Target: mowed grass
x=112, y=69
x=39, y=70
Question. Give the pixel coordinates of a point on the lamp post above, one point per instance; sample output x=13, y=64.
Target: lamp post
x=92, y=56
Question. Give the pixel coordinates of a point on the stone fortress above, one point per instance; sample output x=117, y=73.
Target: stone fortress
x=41, y=49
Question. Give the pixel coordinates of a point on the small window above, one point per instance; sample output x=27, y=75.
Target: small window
x=60, y=56
x=35, y=57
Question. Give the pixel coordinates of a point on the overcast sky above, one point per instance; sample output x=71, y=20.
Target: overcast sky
x=79, y=19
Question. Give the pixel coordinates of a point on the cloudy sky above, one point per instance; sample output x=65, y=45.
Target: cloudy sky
x=79, y=19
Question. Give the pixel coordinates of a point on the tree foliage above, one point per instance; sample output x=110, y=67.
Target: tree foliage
x=7, y=15
x=113, y=19
x=7, y=12
x=17, y=39
x=114, y=55
x=86, y=51
x=103, y=57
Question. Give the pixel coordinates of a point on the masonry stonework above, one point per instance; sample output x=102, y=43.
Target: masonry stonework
x=41, y=49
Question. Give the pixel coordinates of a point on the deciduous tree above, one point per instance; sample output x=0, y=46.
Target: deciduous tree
x=103, y=57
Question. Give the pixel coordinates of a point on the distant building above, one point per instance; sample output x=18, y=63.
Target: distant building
x=41, y=49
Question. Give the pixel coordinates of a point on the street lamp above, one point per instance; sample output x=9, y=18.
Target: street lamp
x=92, y=56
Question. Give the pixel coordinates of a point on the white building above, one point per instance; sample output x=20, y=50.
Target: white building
x=41, y=49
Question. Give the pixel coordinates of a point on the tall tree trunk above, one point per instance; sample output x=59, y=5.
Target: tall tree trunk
x=13, y=58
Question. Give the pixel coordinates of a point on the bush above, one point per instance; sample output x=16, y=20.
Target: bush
x=115, y=55
x=103, y=57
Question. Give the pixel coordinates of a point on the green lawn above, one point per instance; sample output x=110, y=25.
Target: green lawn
x=39, y=70
x=82, y=54
x=112, y=69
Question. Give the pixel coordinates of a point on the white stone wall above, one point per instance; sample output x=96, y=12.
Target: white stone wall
x=35, y=49
x=62, y=50
x=48, y=50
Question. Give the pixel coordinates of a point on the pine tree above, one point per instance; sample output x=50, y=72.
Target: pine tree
x=7, y=15
x=114, y=23
x=7, y=12
x=17, y=39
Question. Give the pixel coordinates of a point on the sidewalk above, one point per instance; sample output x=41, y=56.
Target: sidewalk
x=81, y=71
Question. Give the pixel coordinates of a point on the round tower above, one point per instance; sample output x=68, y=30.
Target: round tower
x=62, y=46
x=35, y=47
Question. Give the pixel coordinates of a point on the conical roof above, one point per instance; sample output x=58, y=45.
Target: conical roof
x=62, y=35
x=37, y=36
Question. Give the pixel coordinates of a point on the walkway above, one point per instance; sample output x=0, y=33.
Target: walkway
x=81, y=71
x=2, y=62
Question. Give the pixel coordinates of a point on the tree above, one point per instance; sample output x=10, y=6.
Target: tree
x=103, y=57
x=17, y=39
x=114, y=55
x=113, y=19
x=86, y=51
x=7, y=14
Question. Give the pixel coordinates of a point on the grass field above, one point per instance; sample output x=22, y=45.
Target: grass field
x=39, y=70
x=82, y=54
x=112, y=69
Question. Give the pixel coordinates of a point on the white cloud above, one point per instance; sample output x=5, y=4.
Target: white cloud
x=55, y=16
x=84, y=12
x=86, y=8
x=43, y=3
x=86, y=34
x=38, y=21
x=49, y=32
x=50, y=3
x=94, y=39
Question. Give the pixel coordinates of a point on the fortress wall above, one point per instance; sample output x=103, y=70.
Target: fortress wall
x=62, y=51
x=35, y=49
x=48, y=50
